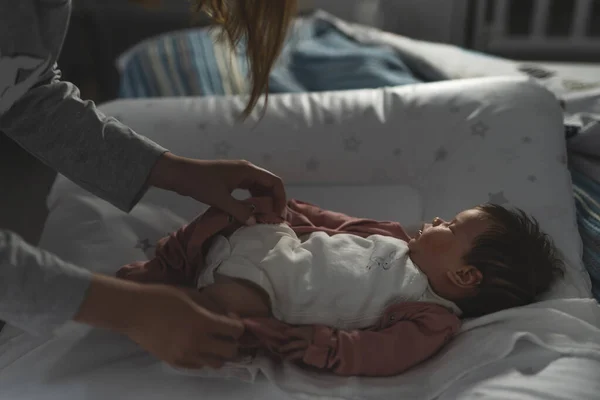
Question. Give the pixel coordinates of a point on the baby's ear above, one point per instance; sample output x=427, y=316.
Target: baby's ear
x=465, y=277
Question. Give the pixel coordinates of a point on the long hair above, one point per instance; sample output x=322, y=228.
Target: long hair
x=262, y=24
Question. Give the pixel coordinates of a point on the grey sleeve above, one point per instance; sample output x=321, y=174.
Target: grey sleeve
x=47, y=117
x=39, y=293
x=72, y=136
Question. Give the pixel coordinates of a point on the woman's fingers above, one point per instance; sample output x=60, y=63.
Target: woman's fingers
x=227, y=327
x=266, y=183
x=293, y=346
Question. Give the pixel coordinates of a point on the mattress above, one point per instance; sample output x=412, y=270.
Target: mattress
x=397, y=153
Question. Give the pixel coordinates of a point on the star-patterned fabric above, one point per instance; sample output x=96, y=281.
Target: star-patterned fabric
x=454, y=147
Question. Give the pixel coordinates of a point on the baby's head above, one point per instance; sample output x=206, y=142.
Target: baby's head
x=486, y=259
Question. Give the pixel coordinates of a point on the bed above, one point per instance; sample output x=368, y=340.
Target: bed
x=407, y=180
x=550, y=350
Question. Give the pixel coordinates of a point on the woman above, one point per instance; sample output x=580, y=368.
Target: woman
x=39, y=292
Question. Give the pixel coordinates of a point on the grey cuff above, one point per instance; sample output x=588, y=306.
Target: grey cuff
x=39, y=293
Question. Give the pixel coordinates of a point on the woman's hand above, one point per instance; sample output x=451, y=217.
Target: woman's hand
x=164, y=320
x=211, y=182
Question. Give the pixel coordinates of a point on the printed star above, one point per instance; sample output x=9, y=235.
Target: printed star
x=352, y=144
x=497, y=198
x=223, y=148
x=441, y=154
x=313, y=164
x=397, y=152
x=479, y=129
x=526, y=140
x=532, y=178
x=143, y=244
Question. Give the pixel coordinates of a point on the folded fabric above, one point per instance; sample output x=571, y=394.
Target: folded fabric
x=406, y=334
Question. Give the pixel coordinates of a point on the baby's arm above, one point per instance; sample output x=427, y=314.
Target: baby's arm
x=421, y=331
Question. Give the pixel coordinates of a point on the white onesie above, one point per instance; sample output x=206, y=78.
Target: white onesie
x=343, y=281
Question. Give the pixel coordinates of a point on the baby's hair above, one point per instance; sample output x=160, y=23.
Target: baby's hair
x=517, y=260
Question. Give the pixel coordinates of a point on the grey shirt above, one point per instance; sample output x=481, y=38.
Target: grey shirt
x=39, y=292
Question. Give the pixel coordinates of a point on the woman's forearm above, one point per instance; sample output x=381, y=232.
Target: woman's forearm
x=109, y=304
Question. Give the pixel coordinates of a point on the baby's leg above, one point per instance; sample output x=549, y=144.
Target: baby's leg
x=233, y=295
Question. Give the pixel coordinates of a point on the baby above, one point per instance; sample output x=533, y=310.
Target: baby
x=486, y=259
x=354, y=296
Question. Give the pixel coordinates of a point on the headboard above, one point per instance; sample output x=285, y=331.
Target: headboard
x=537, y=29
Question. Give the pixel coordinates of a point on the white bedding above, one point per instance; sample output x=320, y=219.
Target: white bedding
x=84, y=364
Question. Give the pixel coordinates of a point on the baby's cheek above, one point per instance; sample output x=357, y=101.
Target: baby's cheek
x=440, y=244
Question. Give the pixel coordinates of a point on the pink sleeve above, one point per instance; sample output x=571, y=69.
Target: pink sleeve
x=419, y=331
x=386, y=352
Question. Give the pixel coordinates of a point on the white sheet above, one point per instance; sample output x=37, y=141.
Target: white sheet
x=85, y=364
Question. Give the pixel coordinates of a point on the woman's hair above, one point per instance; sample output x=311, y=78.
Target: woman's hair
x=517, y=260
x=263, y=26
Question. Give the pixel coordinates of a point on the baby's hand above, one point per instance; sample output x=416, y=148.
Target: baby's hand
x=295, y=349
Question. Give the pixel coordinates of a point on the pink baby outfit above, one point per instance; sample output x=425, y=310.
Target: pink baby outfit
x=407, y=334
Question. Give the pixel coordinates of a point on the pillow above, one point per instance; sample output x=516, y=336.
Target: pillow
x=436, y=149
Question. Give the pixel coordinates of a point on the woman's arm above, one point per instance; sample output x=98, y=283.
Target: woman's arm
x=39, y=293
x=47, y=117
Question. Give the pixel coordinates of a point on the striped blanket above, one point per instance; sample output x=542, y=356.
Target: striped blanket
x=318, y=57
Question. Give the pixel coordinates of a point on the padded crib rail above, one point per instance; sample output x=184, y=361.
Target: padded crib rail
x=568, y=29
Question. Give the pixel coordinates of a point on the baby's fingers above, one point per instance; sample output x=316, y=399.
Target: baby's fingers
x=293, y=346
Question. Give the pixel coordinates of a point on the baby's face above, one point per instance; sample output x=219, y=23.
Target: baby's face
x=439, y=246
